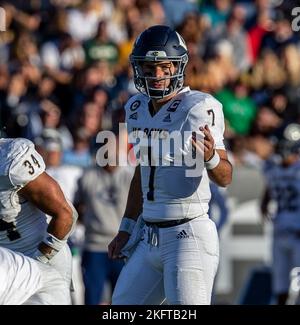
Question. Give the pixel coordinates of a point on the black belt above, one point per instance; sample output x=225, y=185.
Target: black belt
x=12, y=232
x=166, y=224
x=6, y=225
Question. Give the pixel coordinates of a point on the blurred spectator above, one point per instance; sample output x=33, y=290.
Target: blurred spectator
x=239, y=109
x=236, y=35
x=256, y=33
x=282, y=34
x=217, y=13
x=51, y=118
x=86, y=81
x=7, y=36
x=25, y=50
x=116, y=20
x=101, y=47
x=255, y=9
x=268, y=72
x=83, y=21
x=134, y=25
x=257, y=150
x=17, y=116
x=50, y=146
x=100, y=97
x=80, y=154
x=291, y=61
x=152, y=11
x=193, y=30
x=46, y=87
x=223, y=60
x=100, y=200
x=217, y=71
x=28, y=21
x=267, y=121
x=176, y=10
x=90, y=118
x=62, y=54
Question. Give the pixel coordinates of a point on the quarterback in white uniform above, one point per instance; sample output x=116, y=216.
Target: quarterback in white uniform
x=177, y=256
x=282, y=174
x=27, y=193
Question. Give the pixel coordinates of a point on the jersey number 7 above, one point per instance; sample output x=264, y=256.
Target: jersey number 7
x=211, y=112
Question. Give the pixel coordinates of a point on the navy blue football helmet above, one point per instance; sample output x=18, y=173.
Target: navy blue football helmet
x=159, y=43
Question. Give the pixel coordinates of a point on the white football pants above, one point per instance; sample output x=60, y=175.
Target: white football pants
x=179, y=266
x=56, y=280
x=24, y=280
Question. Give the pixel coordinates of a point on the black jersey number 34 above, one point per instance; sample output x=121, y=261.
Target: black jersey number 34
x=31, y=164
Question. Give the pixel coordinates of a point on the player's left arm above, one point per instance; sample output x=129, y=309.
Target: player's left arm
x=207, y=116
x=222, y=173
x=216, y=161
x=45, y=193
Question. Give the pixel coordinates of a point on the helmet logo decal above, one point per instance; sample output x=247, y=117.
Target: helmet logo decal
x=173, y=106
x=156, y=53
x=181, y=41
x=135, y=105
x=137, y=39
x=133, y=116
x=167, y=118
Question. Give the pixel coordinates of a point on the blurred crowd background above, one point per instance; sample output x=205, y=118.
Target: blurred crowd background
x=65, y=76
x=64, y=65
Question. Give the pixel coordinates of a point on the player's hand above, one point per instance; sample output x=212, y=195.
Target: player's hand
x=209, y=143
x=115, y=246
x=205, y=146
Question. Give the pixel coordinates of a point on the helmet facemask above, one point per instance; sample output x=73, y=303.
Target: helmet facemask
x=143, y=82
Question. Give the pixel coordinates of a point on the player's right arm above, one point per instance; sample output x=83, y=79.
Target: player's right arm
x=133, y=210
x=30, y=181
x=45, y=193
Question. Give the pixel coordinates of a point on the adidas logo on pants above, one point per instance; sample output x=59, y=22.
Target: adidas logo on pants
x=182, y=234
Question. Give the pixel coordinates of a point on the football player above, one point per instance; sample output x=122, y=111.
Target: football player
x=177, y=257
x=24, y=280
x=282, y=173
x=27, y=194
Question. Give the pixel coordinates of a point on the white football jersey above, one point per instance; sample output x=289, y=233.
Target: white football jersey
x=168, y=193
x=20, y=277
x=284, y=187
x=22, y=225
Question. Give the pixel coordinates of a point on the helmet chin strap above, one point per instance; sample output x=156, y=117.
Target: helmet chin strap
x=158, y=93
